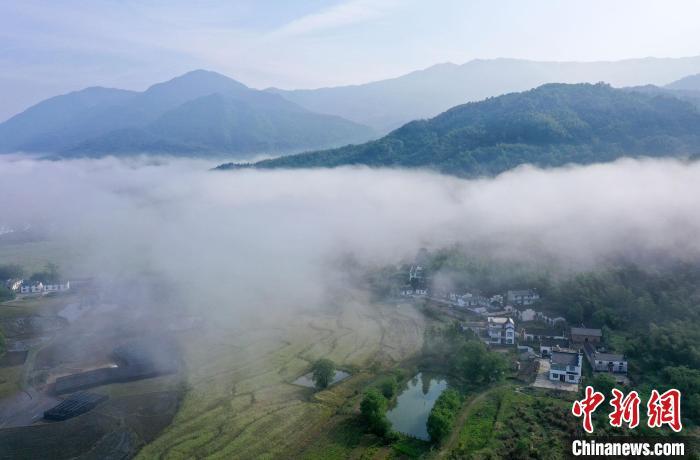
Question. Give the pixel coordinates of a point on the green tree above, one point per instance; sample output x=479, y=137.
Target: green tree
x=50, y=274
x=323, y=371
x=388, y=387
x=443, y=414
x=477, y=365
x=6, y=294
x=10, y=271
x=373, y=410
x=603, y=383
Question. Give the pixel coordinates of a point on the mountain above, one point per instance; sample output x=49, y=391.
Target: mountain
x=689, y=83
x=56, y=114
x=200, y=112
x=552, y=125
x=387, y=104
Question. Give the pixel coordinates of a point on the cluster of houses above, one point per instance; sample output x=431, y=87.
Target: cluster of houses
x=564, y=347
x=28, y=287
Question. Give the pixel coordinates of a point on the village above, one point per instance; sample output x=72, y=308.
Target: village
x=515, y=320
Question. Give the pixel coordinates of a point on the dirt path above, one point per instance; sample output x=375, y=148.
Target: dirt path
x=452, y=439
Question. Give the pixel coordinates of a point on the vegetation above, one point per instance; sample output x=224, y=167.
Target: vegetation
x=373, y=409
x=503, y=423
x=464, y=355
x=323, y=371
x=388, y=387
x=9, y=271
x=443, y=414
x=2, y=343
x=50, y=274
x=552, y=125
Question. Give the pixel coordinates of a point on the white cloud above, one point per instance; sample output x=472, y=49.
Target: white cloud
x=345, y=14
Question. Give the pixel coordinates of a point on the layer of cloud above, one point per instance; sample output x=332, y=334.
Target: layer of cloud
x=269, y=239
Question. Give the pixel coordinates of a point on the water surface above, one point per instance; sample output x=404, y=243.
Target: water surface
x=414, y=404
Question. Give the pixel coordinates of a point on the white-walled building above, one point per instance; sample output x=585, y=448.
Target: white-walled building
x=565, y=366
x=501, y=331
x=37, y=287
x=523, y=297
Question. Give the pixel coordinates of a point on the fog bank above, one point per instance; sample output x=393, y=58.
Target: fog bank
x=270, y=240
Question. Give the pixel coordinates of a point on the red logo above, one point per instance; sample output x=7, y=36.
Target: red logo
x=587, y=406
x=665, y=409
x=625, y=409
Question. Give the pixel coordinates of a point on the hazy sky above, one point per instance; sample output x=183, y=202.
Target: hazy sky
x=49, y=47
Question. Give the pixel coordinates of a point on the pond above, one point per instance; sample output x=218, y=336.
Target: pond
x=414, y=404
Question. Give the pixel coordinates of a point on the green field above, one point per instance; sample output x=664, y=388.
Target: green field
x=240, y=402
x=513, y=422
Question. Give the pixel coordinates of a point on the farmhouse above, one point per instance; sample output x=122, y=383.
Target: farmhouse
x=584, y=335
x=605, y=362
x=470, y=300
x=523, y=297
x=536, y=333
x=37, y=287
x=31, y=287
x=501, y=330
x=548, y=345
x=565, y=366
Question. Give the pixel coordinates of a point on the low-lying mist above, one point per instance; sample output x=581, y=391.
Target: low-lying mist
x=270, y=241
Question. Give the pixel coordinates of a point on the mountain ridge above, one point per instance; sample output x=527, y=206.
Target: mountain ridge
x=389, y=103
x=552, y=125
x=130, y=122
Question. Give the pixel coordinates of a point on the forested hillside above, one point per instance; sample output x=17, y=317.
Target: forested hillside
x=552, y=125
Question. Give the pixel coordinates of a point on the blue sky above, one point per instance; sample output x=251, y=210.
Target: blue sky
x=51, y=47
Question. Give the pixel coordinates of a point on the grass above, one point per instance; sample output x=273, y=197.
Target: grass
x=10, y=380
x=507, y=423
x=33, y=256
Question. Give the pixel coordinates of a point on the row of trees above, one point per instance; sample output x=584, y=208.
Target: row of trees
x=443, y=414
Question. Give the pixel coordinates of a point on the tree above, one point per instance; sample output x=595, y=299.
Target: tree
x=443, y=414
x=10, y=271
x=323, y=371
x=6, y=294
x=373, y=410
x=50, y=274
x=478, y=365
x=388, y=387
x=603, y=383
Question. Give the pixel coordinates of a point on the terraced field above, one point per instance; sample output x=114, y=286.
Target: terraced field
x=240, y=402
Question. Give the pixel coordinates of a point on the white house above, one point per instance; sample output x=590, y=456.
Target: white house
x=27, y=287
x=605, y=362
x=565, y=366
x=501, y=330
x=37, y=287
x=469, y=300
x=528, y=315
x=523, y=297
x=56, y=287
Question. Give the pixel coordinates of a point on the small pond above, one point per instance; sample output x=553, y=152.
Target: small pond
x=307, y=381
x=414, y=404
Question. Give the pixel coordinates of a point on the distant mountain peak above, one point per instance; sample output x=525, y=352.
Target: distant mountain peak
x=198, y=83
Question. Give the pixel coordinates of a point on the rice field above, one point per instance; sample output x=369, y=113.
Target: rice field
x=241, y=402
